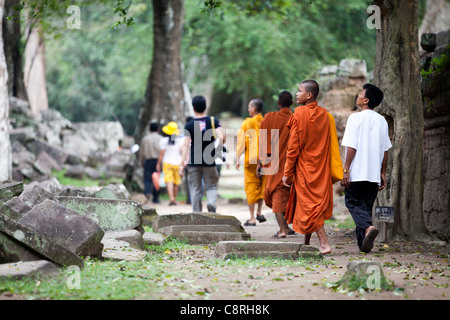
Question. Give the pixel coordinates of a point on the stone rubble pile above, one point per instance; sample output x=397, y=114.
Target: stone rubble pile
x=66, y=225
x=49, y=142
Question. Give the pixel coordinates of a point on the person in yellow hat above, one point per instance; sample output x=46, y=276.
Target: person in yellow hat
x=170, y=157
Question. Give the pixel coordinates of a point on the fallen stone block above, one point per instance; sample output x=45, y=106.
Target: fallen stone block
x=109, y=214
x=35, y=195
x=13, y=251
x=204, y=218
x=27, y=170
x=200, y=237
x=29, y=269
x=139, y=197
x=119, y=190
x=44, y=163
x=70, y=191
x=92, y=173
x=66, y=227
x=51, y=185
x=34, y=241
x=258, y=249
x=15, y=208
x=149, y=215
x=153, y=239
x=133, y=237
x=75, y=171
x=56, y=153
x=105, y=193
x=10, y=190
x=121, y=250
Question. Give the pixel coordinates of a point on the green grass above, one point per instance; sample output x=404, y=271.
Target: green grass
x=85, y=182
x=150, y=278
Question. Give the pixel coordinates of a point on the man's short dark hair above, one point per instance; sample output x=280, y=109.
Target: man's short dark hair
x=313, y=87
x=285, y=98
x=154, y=126
x=258, y=104
x=199, y=104
x=374, y=94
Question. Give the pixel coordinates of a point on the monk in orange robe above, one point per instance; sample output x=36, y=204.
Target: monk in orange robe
x=307, y=167
x=273, y=142
x=248, y=142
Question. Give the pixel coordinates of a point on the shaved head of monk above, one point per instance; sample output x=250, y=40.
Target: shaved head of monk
x=308, y=91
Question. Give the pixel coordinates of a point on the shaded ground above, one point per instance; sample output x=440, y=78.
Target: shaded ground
x=418, y=270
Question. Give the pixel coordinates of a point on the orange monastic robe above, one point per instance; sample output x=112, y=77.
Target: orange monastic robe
x=248, y=142
x=272, y=150
x=308, y=167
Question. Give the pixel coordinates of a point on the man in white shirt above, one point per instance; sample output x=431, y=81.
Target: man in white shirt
x=367, y=142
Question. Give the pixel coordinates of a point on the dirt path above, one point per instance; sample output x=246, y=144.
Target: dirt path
x=418, y=270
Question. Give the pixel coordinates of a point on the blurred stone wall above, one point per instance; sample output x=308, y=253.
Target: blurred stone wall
x=436, y=97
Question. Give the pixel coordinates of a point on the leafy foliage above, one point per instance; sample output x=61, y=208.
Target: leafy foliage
x=100, y=72
x=269, y=45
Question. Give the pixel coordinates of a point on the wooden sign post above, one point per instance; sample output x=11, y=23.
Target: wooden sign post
x=384, y=215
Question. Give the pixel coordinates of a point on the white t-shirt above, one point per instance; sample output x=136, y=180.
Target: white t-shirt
x=173, y=151
x=368, y=133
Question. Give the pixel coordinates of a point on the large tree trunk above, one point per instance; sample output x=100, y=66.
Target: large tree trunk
x=5, y=145
x=397, y=73
x=164, y=98
x=35, y=80
x=13, y=55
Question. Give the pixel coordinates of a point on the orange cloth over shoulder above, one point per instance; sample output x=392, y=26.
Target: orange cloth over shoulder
x=248, y=142
x=274, y=137
x=308, y=169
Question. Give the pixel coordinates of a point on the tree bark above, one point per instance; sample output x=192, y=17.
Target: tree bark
x=5, y=144
x=13, y=56
x=164, y=97
x=397, y=73
x=35, y=78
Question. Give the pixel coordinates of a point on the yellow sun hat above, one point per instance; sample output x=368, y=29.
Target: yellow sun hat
x=171, y=128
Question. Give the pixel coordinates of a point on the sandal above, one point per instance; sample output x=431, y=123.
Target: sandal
x=276, y=235
x=261, y=218
x=290, y=232
x=249, y=224
x=367, y=244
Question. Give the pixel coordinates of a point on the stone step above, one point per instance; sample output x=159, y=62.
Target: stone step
x=202, y=237
x=203, y=218
x=19, y=270
x=175, y=230
x=258, y=249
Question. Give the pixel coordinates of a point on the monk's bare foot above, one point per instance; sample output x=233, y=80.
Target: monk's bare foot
x=307, y=239
x=279, y=234
x=325, y=249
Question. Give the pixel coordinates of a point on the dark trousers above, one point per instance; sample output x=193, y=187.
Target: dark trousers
x=359, y=200
x=149, y=168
